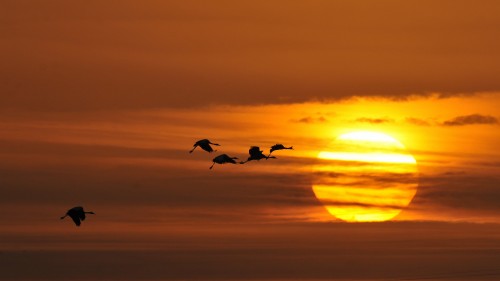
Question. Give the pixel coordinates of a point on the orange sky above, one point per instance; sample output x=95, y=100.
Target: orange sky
x=102, y=100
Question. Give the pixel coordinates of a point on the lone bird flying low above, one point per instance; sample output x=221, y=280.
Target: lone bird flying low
x=256, y=154
x=205, y=145
x=278, y=146
x=77, y=214
x=223, y=159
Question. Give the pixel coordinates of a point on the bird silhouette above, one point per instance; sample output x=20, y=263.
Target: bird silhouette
x=278, y=146
x=256, y=154
x=76, y=214
x=223, y=159
x=205, y=145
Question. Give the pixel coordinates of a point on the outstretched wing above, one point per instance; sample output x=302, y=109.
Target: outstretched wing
x=206, y=147
x=277, y=146
x=200, y=142
x=225, y=157
x=76, y=214
x=254, y=151
x=75, y=219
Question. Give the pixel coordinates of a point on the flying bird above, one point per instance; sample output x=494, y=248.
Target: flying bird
x=77, y=214
x=205, y=145
x=278, y=146
x=256, y=154
x=223, y=159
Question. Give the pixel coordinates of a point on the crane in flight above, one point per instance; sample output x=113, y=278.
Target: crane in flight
x=256, y=154
x=77, y=214
x=278, y=146
x=223, y=159
x=205, y=145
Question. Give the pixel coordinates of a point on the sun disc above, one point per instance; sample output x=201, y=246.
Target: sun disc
x=365, y=176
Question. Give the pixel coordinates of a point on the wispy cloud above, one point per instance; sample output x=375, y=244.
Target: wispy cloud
x=471, y=120
x=457, y=190
x=417, y=121
x=310, y=120
x=374, y=120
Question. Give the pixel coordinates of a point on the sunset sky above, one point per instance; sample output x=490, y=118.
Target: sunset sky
x=101, y=102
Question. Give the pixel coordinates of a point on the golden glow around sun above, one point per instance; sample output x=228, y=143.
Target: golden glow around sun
x=365, y=176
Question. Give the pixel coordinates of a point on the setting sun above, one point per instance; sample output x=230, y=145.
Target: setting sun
x=367, y=176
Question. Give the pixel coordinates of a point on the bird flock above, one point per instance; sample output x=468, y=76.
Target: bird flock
x=254, y=152
x=78, y=214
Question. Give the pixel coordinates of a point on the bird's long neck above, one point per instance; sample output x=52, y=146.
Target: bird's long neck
x=64, y=216
x=90, y=213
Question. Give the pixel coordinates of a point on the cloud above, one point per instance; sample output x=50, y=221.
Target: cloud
x=143, y=176
x=88, y=62
x=417, y=121
x=459, y=191
x=310, y=120
x=471, y=120
x=285, y=251
x=374, y=120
